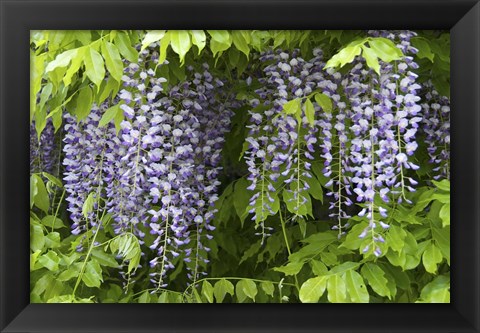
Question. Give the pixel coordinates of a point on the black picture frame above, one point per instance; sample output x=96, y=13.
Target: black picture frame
x=18, y=17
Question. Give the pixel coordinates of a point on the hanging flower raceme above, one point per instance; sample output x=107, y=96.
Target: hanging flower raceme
x=44, y=153
x=436, y=126
x=84, y=154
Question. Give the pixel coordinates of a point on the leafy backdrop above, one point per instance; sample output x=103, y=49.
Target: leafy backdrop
x=274, y=187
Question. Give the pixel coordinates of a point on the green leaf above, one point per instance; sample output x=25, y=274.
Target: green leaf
x=423, y=47
x=385, y=49
x=375, y=277
x=37, y=238
x=442, y=241
x=199, y=39
x=356, y=287
x=437, y=291
x=344, y=267
x=395, y=238
x=41, y=198
x=315, y=189
x=51, y=221
x=123, y=43
x=42, y=284
x=443, y=185
x=431, y=258
x=445, y=214
x=268, y=288
x=152, y=36
x=180, y=42
x=312, y=289
x=104, y=259
x=240, y=41
x=222, y=287
x=52, y=240
x=324, y=102
x=144, y=297
x=113, y=60
x=293, y=106
x=164, y=43
x=70, y=273
x=207, y=291
x=61, y=60
x=337, y=290
x=291, y=268
x=77, y=62
x=94, y=66
x=371, y=58
x=221, y=36
x=318, y=267
x=88, y=204
x=33, y=259
x=309, y=112
x=92, y=277
x=246, y=288
x=109, y=114
x=345, y=56
x=49, y=260
x=33, y=189
x=221, y=41
x=53, y=179
x=241, y=198
x=84, y=103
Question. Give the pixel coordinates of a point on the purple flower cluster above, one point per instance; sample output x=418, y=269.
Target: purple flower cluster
x=160, y=173
x=436, y=126
x=365, y=142
x=281, y=146
x=44, y=154
x=84, y=170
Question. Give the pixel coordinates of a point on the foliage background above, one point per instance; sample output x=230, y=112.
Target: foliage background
x=303, y=261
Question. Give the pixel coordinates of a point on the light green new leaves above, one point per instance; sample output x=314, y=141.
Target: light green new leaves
x=122, y=41
x=88, y=204
x=312, y=289
x=385, y=49
x=94, y=66
x=77, y=62
x=222, y=287
x=152, y=36
x=199, y=39
x=291, y=268
x=49, y=260
x=61, y=60
x=221, y=41
x=437, y=291
x=324, y=102
x=309, y=112
x=375, y=277
x=113, y=60
x=128, y=247
x=337, y=289
x=246, y=288
x=110, y=113
x=293, y=106
x=356, y=287
x=37, y=238
x=92, y=276
x=207, y=291
x=431, y=258
x=345, y=56
x=180, y=42
x=380, y=47
x=371, y=58
x=38, y=193
x=84, y=103
x=241, y=40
